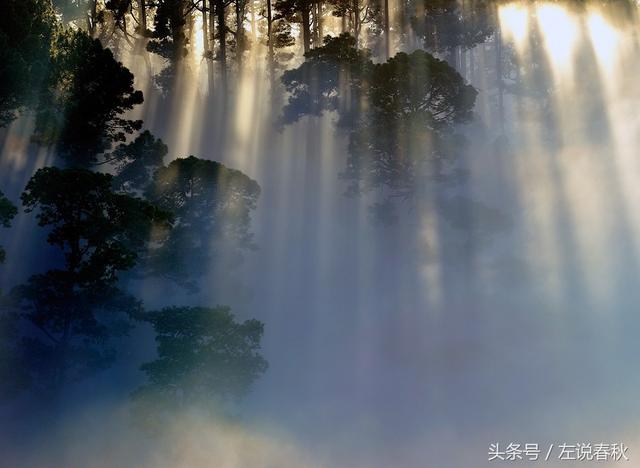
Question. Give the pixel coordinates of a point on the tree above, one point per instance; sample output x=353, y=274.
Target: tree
x=86, y=95
x=205, y=359
x=212, y=206
x=26, y=31
x=315, y=86
x=7, y=213
x=169, y=38
x=75, y=310
x=401, y=116
x=444, y=25
x=137, y=161
x=297, y=11
x=359, y=13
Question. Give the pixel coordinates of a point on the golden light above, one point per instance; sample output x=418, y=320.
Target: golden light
x=197, y=40
x=514, y=23
x=560, y=33
x=604, y=38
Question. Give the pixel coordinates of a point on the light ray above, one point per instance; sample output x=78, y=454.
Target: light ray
x=514, y=24
x=560, y=33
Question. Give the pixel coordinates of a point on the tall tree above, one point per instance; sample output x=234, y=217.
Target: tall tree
x=401, y=115
x=297, y=11
x=205, y=359
x=136, y=162
x=82, y=108
x=76, y=309
x=27, y=28
x=212, y=206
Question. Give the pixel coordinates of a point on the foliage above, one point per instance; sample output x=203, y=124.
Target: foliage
x=137, y=161
x=76, y=310
x=26, y=31
x=205, y=358
x=400, y=114
x=99, y=231
x=315, y=85
x=212, y=206
x=445, y=24
x=87, y=93
x=75, y=321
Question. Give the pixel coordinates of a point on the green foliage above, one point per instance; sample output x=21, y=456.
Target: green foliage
x=205, y=359
x=87, y=93
x=446, y=24
x=73, y=10
x=315, y=85
x=212, y=205
x=169, y=38
x=99, y=231
x=26, y=31
x=75, y=322
x=7, y=213
x=76, y=310
x=400, y=114
x=137, y=161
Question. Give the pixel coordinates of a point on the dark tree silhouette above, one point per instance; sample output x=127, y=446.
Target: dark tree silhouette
x=212, y=206
x=137, y=161
x=317, y=85
x=7, y=213
x=86, y=95
x=297, y=11
x=408, y=132
x=75, y=310
x=446, y=24
x=400, y=114
x=205, y=359
x=26, y=31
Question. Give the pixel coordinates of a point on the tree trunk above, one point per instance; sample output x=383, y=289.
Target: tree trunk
x=240, y=40
x=142, y=6
x=356, y=20
x=387, y=39
x=222, y=35
x=269, y=28
x=306, y=28
x=205, y=29
x=320, y=23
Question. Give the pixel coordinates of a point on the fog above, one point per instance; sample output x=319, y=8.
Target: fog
x=499, y=307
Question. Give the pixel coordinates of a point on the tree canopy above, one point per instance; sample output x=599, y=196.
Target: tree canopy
x=400, y=114
x=27, y=28
x=205, y=358
x=77, y=309
x=212, y=206
x=86, y=95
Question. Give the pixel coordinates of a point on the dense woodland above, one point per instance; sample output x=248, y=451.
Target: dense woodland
x=117, y=205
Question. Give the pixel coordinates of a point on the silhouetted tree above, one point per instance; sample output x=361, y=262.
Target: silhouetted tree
x=400, y=114
x=297, y=11
x=137, y=161
x=26, y=31
x=205, y=359
x=7, y=213
x=75, y=310
x=328, y=74
x=408, y=131
x=169, y=36
x=86, y=96
x=447, y=24
x=212, y=205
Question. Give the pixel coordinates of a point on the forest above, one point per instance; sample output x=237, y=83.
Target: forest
x=297, y=231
